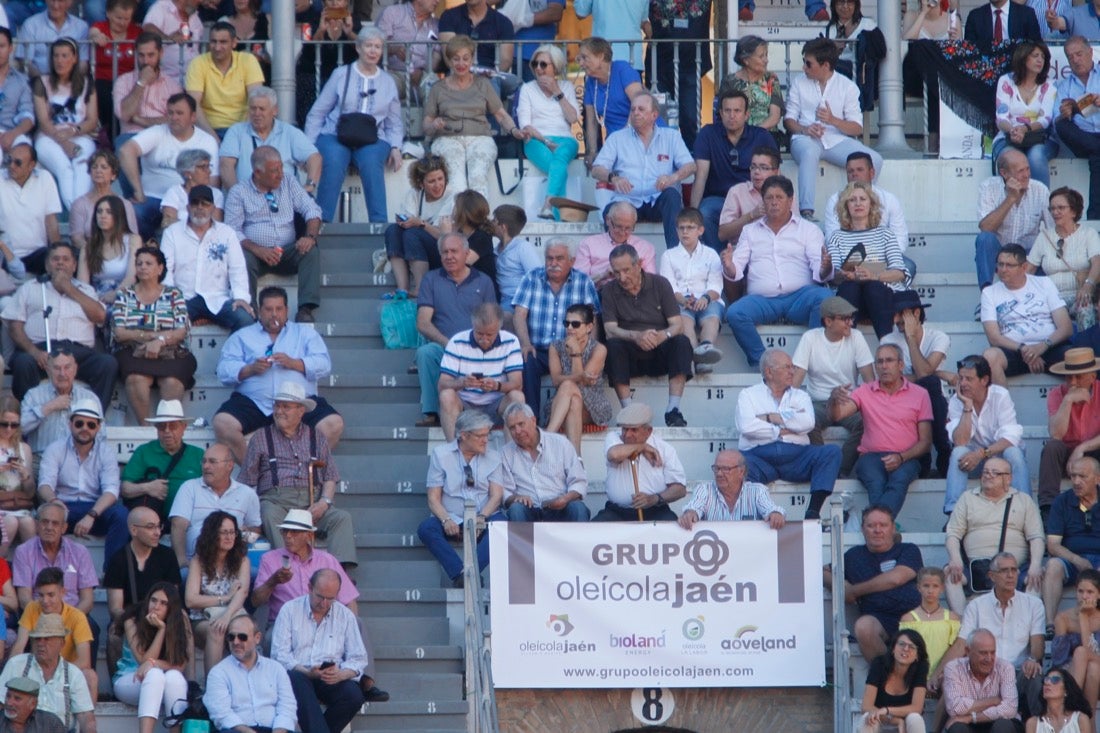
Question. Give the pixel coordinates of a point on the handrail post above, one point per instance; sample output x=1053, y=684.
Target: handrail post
x=842, y=714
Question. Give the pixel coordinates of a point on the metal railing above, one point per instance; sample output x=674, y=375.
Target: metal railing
x=480, y=696
x=842, y=693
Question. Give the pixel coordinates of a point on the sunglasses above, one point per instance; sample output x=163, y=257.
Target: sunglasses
x=90, y=424
x=1059, y=248
x=573, y=324
x=271, y=202
x=1054, y=679
x=269, y=350
x=541, y=65
x=469, y=473
x=241, y=637
x=1088, y=520
x=9, y=425
x=967, y=364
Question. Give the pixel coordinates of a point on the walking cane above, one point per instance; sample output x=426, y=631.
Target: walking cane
x=634, y=475
x=313, y=465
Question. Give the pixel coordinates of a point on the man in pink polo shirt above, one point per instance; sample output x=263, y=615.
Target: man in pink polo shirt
x=593, y=252
x=897, y=428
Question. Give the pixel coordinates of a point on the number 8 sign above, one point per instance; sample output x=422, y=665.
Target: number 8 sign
x=652, y=705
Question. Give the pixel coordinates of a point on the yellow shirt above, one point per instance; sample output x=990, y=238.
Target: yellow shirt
x=224, y=96
x=73, y=619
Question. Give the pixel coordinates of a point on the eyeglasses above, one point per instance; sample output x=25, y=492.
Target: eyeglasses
x=9, y=425
x=849, y=318
x=241, y=637
x=269, y=350
x=726, y=469
x=1088, y=519
x=1052, y=209
x=271, y=202
x=469, y=473
x=735, y=157
x=81, y=424
x=1001, y=263
x=906, y=646
x=18, y=162
x=227, y=533
x=474, y=35
x=761, y=168
x=541, y=65
x=1054, y=679
x=149, y=526
x=573, y=324
x=990, y=472
x=61, y=351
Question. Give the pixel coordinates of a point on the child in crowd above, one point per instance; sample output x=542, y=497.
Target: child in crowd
x=695, y=274
x=516, y=256
x=938, y=626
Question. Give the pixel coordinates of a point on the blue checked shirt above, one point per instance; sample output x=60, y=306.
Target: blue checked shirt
x=546, y=309
x=249, y=213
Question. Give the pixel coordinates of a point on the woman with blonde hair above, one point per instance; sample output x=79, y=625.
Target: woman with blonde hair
x=455, y=118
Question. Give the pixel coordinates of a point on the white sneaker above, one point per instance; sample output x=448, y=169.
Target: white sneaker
x=701, y=368
x=707, y=354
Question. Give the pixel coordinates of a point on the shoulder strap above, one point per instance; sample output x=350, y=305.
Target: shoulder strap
x=131, y=571
x=1004, y=526
x=271, y=461
x=312, y=443
x=172, y=463
x=347, y=81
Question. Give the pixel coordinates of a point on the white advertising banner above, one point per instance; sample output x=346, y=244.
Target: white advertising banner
x=729, y=604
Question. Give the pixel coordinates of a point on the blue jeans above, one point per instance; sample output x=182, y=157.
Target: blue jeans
x=818, y=464
x=711, y=208
x=801, y=306
x=885, y=487
x=554, y=164
x=226, y=317
x=986, y=247
x=369, y=159
x=956, y=477
x=574, y=511
x=148, y=217
x=428, y=358
x=1038, y=158
x=665, y=209
x=342, y=699
x=111, y=525
x=535, y=367
x=435, y=539
x=414, y=244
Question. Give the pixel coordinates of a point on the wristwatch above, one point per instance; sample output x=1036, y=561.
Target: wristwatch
x=326, y=500
x=558, y=97
x=93, y=514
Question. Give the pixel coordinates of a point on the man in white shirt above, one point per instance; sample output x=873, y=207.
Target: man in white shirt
x=29, y=205
x=831, y=356
x=75, y=312
x=1025, y=319
x=923, y=350
x=158, y=147
x=1016, y=620
x=786, y=263
x=1011, y=208
x=661, y=476
x=542, y=475
x=205, y=261
x=317, y=640
x=775, y=419
x=823, y=117
x=981, y=420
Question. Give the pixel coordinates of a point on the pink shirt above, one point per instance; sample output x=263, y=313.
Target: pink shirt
x=154, y=97
x=890, y=420
x=593, y=255
x=1084, y=417
x=298, y=585
x=165, y=16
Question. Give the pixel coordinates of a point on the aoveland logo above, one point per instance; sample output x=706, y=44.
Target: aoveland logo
x=747, y=639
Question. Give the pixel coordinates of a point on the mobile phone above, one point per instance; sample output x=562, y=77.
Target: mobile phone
x=327, y=665
x=402, y=217
x=286, y=562
x=478, y=375
x=336, y=13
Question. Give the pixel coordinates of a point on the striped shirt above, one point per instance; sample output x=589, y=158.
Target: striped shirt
x=463, y=357
x=961, y=689
x=298, y=640
x=546, y=309
x=881, y=246
x=555, y=470
x=167, y=313
x=754, y=502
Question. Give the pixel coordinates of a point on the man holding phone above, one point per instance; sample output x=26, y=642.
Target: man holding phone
x=316, y=639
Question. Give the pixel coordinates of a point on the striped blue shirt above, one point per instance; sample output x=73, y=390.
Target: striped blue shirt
x=753, y=502
x=463, y=357
x=546, y=309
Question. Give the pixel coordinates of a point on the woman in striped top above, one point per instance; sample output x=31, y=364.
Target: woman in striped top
x=868, y=266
